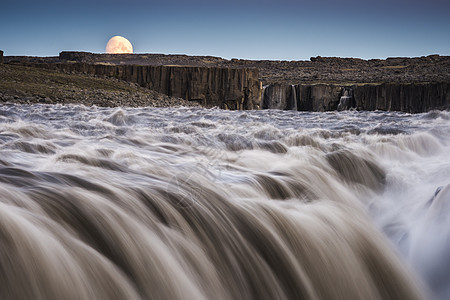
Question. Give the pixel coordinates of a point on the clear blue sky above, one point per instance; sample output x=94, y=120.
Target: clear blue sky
x=283, y=29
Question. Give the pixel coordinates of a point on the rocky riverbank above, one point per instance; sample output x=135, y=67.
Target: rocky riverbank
x=20, y=84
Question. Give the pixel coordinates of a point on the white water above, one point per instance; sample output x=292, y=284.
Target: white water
x=194, y=203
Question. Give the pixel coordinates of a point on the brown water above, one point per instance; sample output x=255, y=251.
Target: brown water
x=100, y=203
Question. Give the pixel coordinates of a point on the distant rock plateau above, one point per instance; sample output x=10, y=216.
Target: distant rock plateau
x=321, y=84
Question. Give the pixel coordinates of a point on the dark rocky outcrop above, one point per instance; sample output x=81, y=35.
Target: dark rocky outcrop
x=223, y=87
x=1, y=56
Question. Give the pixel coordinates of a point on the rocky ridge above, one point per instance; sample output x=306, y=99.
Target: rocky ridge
x=432, y=68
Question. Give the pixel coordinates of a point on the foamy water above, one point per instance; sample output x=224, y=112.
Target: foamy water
x=183, y=203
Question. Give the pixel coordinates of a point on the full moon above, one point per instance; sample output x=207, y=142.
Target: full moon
x=118, y=45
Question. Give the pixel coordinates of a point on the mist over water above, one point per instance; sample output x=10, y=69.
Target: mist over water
x=184, y=203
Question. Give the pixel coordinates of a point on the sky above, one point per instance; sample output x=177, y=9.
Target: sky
x=246, y=29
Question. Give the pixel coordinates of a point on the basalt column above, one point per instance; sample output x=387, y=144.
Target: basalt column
x=229, y=88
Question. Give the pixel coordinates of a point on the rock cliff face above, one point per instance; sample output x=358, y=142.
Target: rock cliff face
x=1, y=56
x=412, y=98
x=279, y=96
x=320, y=84
x=223, y=87
x=303, y=97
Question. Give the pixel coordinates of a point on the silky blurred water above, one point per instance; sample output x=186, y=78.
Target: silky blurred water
x=202, y=203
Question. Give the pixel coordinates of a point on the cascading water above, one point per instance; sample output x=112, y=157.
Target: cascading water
x=178, y=203
x=347, y=100
x=292, y=103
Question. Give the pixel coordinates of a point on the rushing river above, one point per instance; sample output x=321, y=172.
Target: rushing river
x=183, y=203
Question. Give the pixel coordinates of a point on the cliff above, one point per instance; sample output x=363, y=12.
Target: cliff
x=405, y=84
x=412, y=97
x=320, y=84
x=279, y=96
x=1, y=56
x=223, y=87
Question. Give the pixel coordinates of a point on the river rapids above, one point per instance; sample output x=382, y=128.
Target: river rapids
x=189, y=203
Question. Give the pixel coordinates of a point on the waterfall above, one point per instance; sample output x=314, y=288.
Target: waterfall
x=292, y=103
x=189, y=203
x=347, y=100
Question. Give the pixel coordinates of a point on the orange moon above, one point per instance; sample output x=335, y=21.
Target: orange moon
x=118, y=45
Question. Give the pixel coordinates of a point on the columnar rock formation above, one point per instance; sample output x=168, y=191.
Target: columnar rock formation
x=279, y=96
x=228, y=88
x=321, y=84
x=413, y=98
